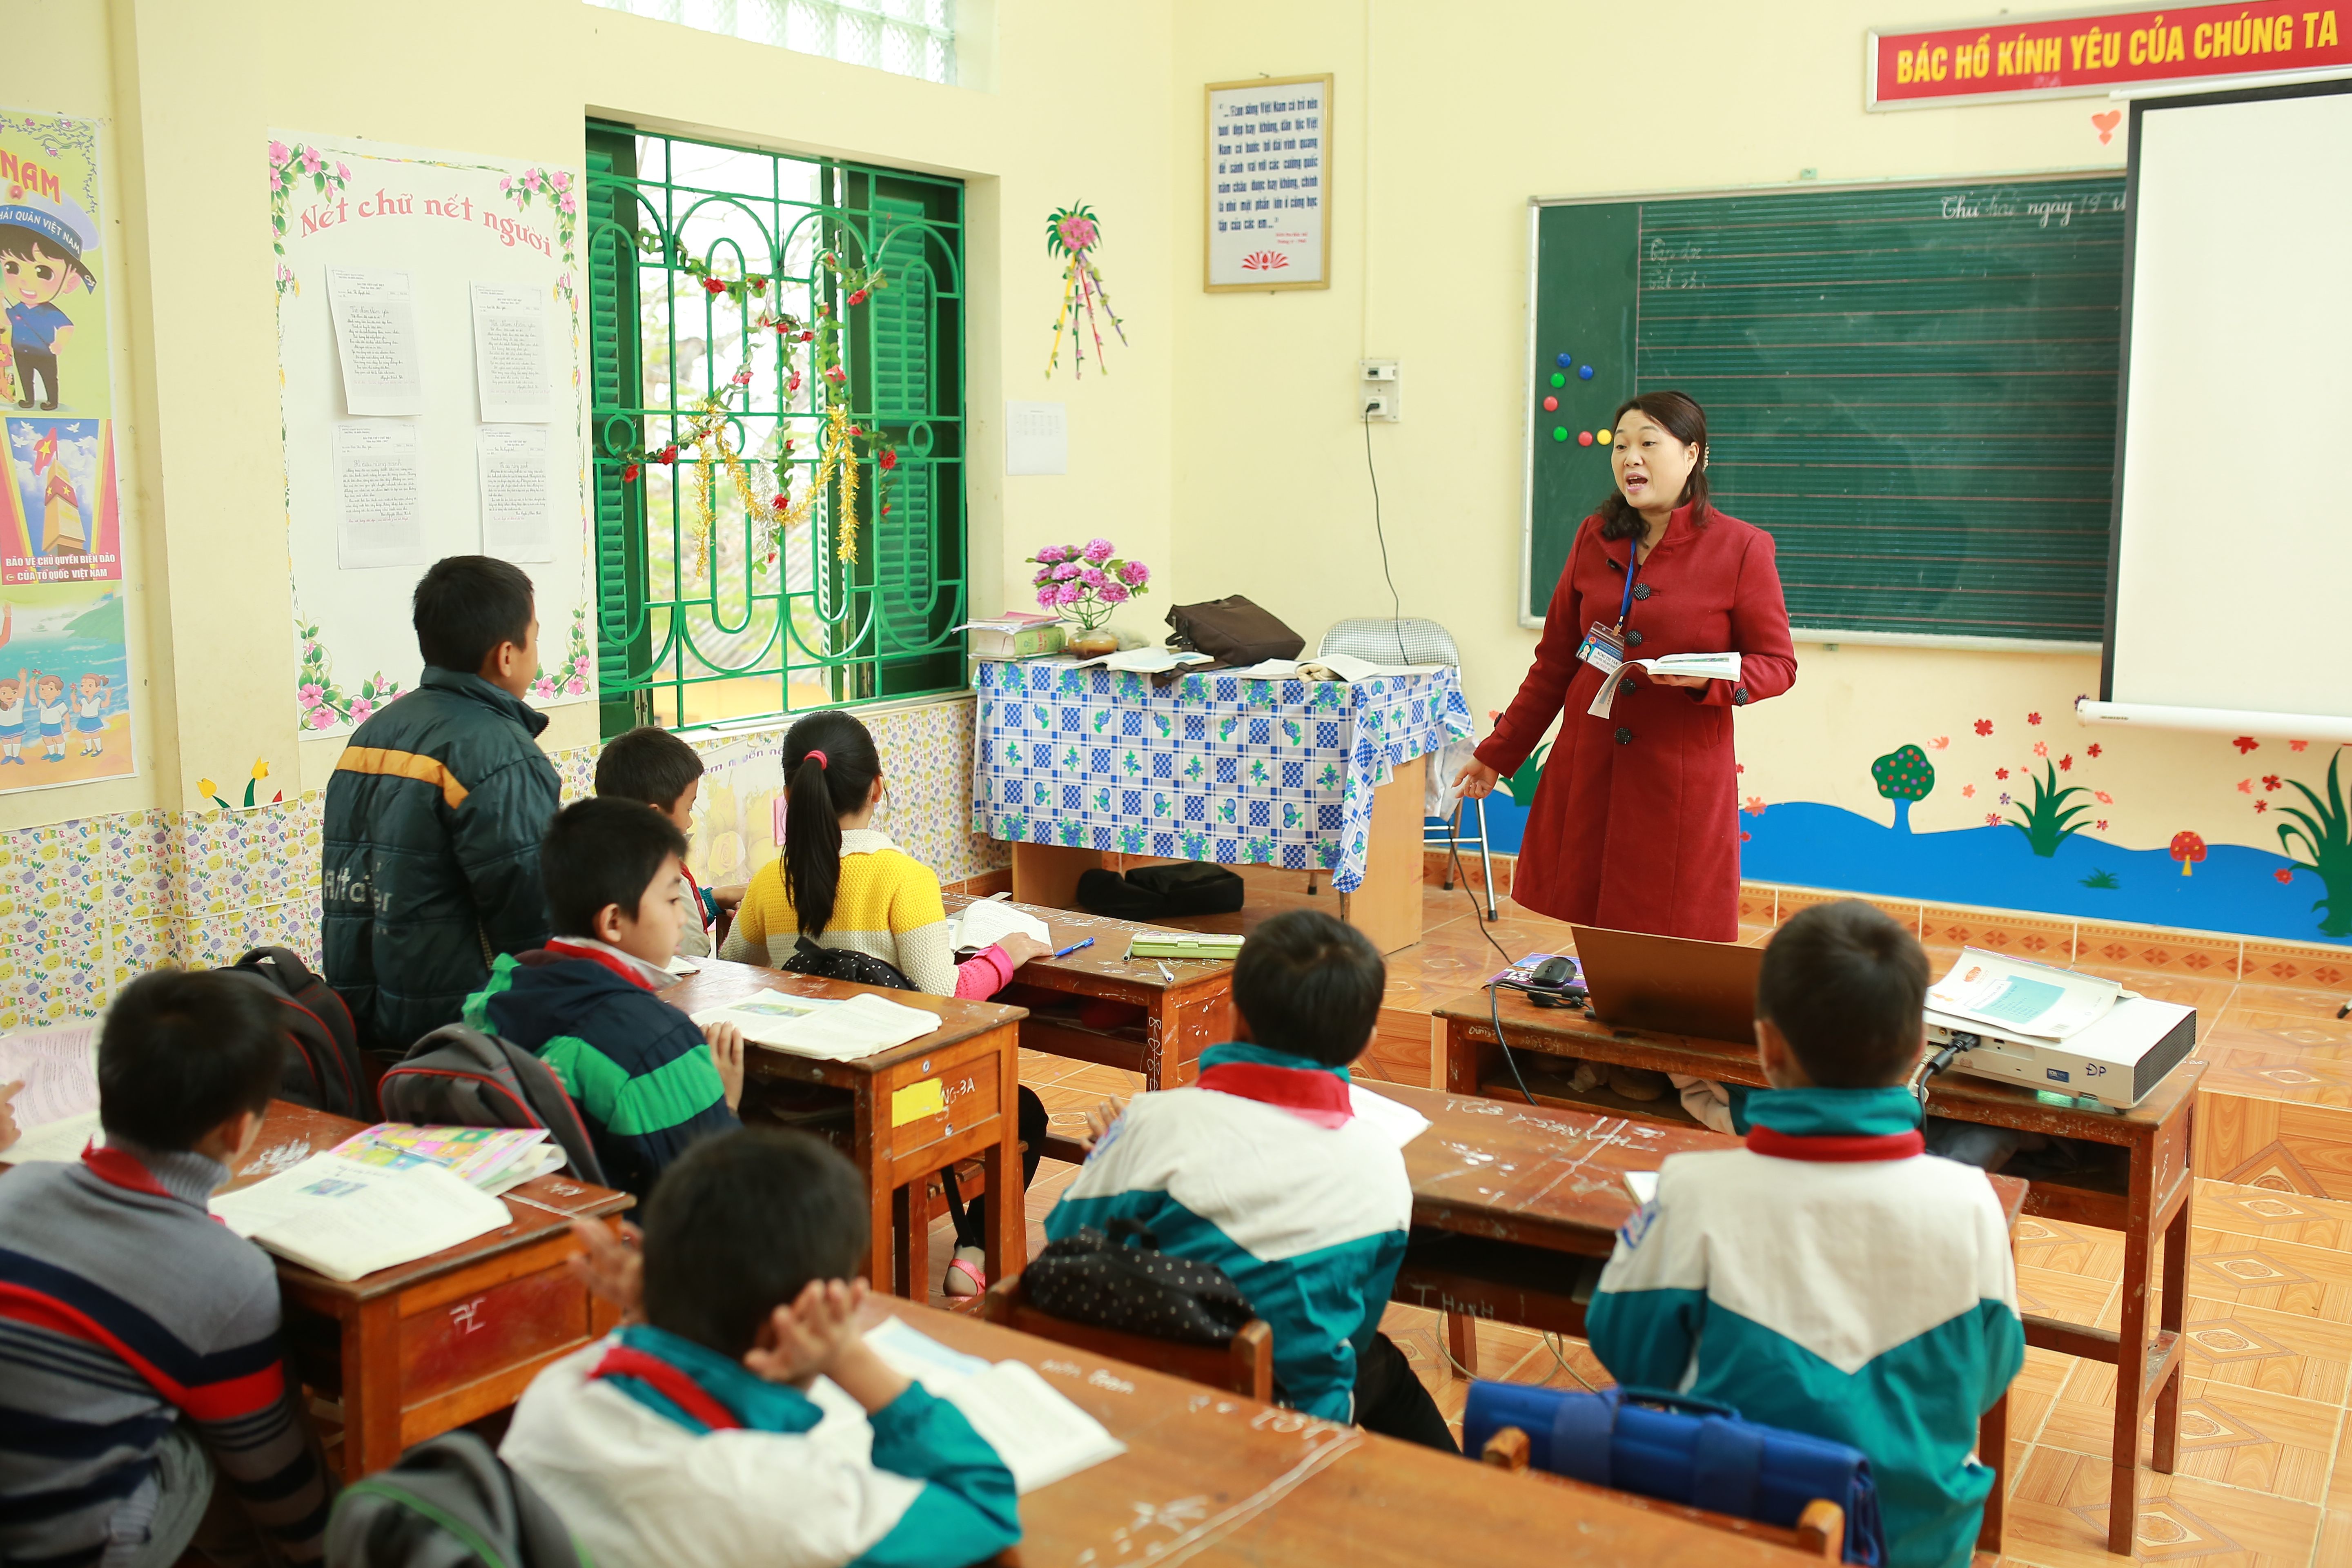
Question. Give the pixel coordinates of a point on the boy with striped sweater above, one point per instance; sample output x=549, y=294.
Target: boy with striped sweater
x=1262, y=1168
x=140, y=1337
x=647, y=1082
x=1831, y=1277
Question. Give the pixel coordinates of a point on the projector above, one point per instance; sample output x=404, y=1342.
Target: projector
x=2116, y=1060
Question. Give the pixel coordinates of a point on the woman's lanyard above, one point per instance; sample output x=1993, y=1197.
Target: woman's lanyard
x=1633, y=570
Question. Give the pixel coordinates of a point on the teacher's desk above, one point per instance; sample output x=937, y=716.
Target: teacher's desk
x=2139, y=1186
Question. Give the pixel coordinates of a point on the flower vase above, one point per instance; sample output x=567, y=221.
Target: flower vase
x=1094, y=644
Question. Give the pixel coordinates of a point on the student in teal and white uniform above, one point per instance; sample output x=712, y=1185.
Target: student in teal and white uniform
x=1262, y=1168
x=740, y=1418
x=1830, y=1277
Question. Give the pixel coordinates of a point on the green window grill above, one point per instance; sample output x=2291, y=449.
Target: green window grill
x=705, y=614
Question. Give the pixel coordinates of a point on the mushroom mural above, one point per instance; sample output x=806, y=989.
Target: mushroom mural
x=2187, y=849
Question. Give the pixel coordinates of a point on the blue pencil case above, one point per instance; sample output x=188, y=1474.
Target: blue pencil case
x=1682, y=1450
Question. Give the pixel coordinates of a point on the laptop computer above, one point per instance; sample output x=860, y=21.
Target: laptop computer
x=1671, y=985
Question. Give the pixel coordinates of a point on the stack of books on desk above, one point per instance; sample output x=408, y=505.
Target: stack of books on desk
x=1015, y=635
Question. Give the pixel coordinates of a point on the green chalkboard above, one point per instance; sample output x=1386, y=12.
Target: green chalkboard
x=1912, y=387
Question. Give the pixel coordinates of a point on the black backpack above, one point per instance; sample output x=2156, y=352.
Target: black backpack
x=448, y=1503
x=1162, y=892
x=460, y=1076
x=1093, y=1279
x=323, y=1068
x=841, y=964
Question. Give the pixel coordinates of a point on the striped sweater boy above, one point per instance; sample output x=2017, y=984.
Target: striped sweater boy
x=126, y=1311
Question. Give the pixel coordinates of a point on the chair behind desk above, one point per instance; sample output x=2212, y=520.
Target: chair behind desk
x=1819, y=1532
x=1245, y=1366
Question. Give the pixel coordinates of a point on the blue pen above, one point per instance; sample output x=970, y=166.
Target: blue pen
x=1073, y=947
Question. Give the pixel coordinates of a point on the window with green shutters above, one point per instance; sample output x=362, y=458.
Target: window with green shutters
x=703, y=617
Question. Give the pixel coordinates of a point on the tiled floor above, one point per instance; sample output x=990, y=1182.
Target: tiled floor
x=2266, y=1473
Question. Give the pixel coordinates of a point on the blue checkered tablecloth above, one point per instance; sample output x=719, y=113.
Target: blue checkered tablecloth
x=1211, y=767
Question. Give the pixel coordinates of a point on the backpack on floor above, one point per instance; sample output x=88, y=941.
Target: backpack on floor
x=323, y=1068
x=460, y=1076
x=1094, y=1279
x=844, y=963
x=448, y=1503
x=1162, y=892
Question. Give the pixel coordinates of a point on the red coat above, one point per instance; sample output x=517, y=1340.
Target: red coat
x=1636, y=824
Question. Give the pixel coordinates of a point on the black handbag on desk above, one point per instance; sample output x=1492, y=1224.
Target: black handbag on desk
x=1095, y=1279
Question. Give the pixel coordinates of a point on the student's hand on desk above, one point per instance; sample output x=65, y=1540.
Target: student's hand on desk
x=611, y=1265
x=1476, y=781
x=8, y=1128
x=1021, y=947
x=1100, y=1121
x=727, y=1054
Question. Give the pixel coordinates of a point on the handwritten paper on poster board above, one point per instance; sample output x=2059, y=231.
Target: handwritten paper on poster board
x=1269, y=151
x=490, y=250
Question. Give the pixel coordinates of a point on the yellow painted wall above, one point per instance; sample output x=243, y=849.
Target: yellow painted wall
x=193, y=87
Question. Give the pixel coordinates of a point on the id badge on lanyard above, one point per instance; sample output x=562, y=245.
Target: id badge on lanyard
x=1605, y=646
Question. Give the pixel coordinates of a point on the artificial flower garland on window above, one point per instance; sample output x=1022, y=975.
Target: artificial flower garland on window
x=706, y=432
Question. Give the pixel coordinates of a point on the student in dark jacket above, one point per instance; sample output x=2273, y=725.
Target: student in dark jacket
x=647, y=1081
x=435, y=812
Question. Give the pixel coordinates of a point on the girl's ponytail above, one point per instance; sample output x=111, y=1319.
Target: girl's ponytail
x=830, y=766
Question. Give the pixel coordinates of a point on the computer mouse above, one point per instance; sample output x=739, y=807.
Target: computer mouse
x=1554, y=972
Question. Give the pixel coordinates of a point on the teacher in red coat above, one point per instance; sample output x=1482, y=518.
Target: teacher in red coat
x=1636, y=822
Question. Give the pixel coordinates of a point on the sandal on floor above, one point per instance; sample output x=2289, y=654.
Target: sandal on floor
x=969, y=1268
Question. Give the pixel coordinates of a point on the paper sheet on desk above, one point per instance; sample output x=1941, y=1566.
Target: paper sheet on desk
x=1400, y=1124
x=1034, y=1428
x=1340, y=666
x=2018, y=996
x=819, y=1026
x=987, y=922
x=58, y=1069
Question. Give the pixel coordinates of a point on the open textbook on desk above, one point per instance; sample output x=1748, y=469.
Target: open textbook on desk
x=843, y=1030
x=1034, y=1428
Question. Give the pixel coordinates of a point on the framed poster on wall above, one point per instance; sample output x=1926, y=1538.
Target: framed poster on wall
x=1270, y=160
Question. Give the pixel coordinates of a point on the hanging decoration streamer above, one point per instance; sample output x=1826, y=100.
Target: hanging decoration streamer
x=706, y=433
x=1073, y=231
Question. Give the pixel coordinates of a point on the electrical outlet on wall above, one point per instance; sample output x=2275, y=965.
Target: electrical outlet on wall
x=1379, y=391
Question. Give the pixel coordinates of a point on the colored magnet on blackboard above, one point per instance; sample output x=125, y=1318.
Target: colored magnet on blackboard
x=1566, y=360
x=1559, y=432
x=1558, y=379
x=1605, y=437
x=1584, y=371
x=1584, y=438
x=1550, y=403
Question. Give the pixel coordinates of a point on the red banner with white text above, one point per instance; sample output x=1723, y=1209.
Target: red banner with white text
x=2090, y=54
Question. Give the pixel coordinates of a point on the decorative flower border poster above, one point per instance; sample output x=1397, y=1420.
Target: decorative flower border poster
x=438, y=234
x=65, y=692
x=1269, y=184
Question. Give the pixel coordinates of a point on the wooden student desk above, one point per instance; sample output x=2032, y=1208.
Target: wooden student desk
x=1182, y=1016
x=417, y=1349
x=897, y=1142
x=2140, y=1189
x=1220, y=1479
x=1531, y=1200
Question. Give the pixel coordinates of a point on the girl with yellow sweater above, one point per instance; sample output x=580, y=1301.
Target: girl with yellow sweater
x=843, y=884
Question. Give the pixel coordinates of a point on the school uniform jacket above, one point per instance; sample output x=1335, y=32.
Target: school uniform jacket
x=677, y=1455
x=638, y=1069
x=1261, y=1170
x=1831, y=1278
x=1636, y=822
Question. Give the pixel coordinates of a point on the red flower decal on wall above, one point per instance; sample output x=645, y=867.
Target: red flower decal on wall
x=2270, y=781
x=2093, y=749
x=1984, y=726
x=2033, y=718
x=2066, y=763
x=2261, y=805
x=1992, y=819
x=2298, y=746
x=2245, y=743
x=2001, y=773
x=2283, y=875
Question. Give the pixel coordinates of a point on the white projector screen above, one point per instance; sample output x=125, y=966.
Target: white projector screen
x=2234, y=541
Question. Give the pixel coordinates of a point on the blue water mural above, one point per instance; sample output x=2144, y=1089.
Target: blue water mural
x=2233, y=889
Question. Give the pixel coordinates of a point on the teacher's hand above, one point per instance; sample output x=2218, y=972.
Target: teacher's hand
x=1655, y=679
x=1476, y=780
